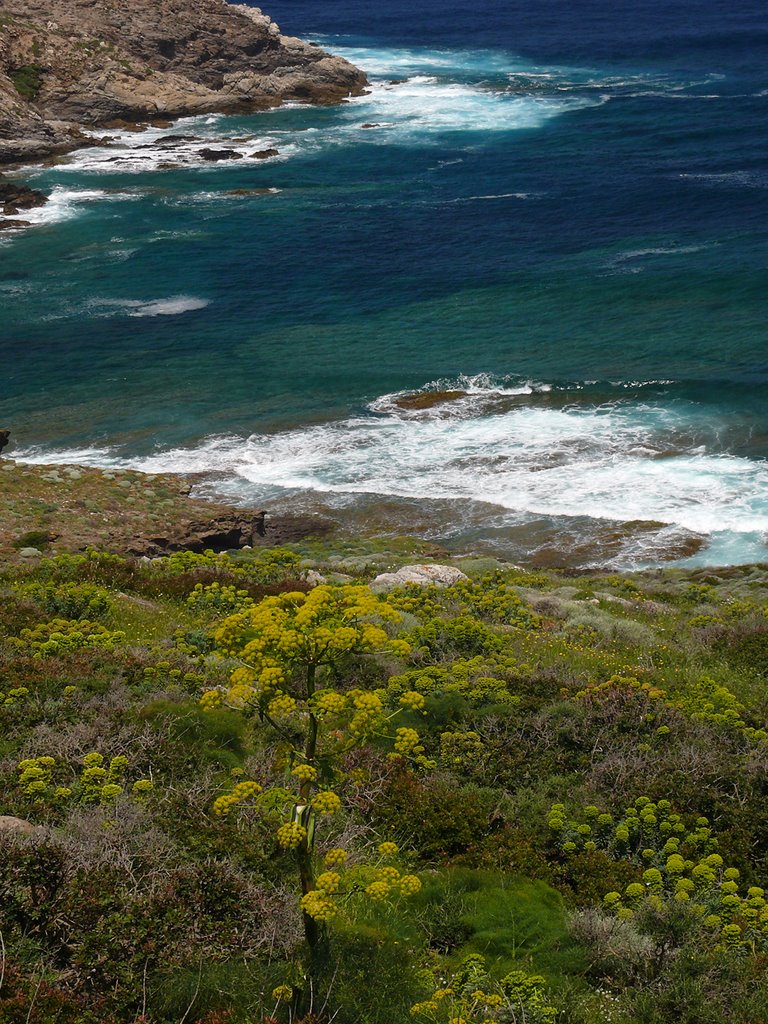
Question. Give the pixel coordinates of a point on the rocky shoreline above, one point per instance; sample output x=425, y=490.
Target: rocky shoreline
x=56, y=508
x=69, y=66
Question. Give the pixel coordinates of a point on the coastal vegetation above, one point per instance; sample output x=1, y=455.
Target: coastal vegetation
x=246, y=787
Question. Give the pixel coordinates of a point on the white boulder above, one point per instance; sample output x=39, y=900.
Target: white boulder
x=421, y=575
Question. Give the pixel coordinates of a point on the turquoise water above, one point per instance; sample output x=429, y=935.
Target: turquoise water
x=563, y=217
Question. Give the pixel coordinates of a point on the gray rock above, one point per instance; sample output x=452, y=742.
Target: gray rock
x=314, y=578
x=421, y=575
x=30, y=553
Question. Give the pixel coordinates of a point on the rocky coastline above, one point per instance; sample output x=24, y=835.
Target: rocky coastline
x=52, y=509
x=70, y=66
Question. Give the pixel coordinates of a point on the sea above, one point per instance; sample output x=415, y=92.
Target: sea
x=555, y=211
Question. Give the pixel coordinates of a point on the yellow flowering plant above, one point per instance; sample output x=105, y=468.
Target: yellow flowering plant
x=289, y=650
x=99, y=782
x=471, y=996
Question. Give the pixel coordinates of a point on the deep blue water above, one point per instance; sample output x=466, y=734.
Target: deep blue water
x=562, y=210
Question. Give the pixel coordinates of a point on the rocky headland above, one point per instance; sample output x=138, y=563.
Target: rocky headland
x=69, y=65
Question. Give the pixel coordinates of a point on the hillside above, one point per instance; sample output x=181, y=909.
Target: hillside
x=270, y=785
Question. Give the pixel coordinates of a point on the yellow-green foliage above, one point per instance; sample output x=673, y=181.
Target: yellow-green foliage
x=647, y=833
x=471, y=996
x=65, y=636
x=289, y=646
x=703, y=700
x=712, y=702
x=477, y=681
x=217, y=599
x=680, y=866
x=269, y=566
x=69, y=600
x=98, y=782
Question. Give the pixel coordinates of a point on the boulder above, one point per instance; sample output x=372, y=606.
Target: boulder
x=421, y=575
x=314, y=578
x=30, y=553
x=10, y=824
x=220, y=154
x=14, y=198
x=265, y=154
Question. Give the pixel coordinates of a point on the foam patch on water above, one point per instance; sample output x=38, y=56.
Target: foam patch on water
x=507, y=446
x=174, y=305
x=424, y=106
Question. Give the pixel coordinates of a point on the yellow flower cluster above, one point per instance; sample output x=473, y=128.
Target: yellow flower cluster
x=329, y=881
x=317, y=905
x=245, y=790
x=388, y=849
x=223, y=804
x=14, y=696
x=282, y=707
x=291, y=834
x=282, y=993
x=35, y=774
x=408, y=742
x=366, y=700
x=326, y=802
x=211, y=700
x=425, y=1008
x=304, y=772
x=377, y=891
x=96, y=783
x=335, y=858
x=295, y=629
x=409, y=885
x=328, y=702
x=413, y=700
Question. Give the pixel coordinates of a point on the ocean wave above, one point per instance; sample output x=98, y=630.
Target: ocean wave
x=65, y=203
x=509, y=446
x=423, y=106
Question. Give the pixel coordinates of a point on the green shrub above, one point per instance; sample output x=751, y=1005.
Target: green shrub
x=70, y=600
x=33, y=539
x=65, y=636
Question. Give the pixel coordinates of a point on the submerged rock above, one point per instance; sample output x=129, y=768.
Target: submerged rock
x=265, y=154
x=428, y=399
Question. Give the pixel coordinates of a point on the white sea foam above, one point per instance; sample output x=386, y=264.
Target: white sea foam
x=424, y=105
x=505, y=446
x=65, y=203
x=178, y=146
x=171, y=306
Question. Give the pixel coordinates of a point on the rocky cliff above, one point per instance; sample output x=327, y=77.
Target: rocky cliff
x=69, y=64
